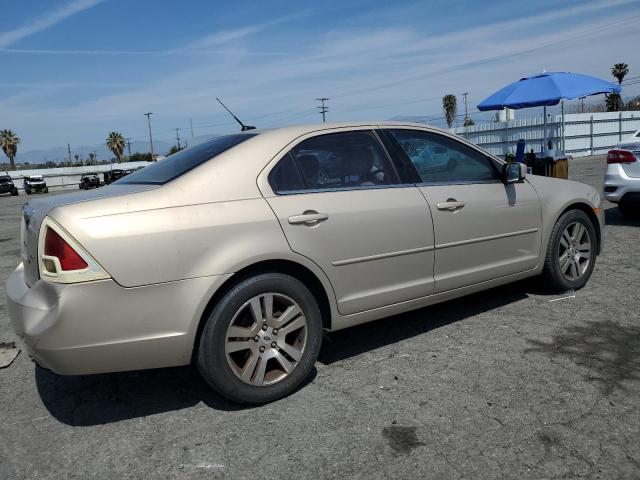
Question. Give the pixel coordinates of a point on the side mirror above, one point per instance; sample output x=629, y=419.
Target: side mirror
x=514, y=172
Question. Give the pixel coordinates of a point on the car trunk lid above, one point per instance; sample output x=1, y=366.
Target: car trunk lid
x=34, y=212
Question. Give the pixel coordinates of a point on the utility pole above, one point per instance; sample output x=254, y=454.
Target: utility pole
x=178, y=137
x=129, y=146
x=69, y=150
x=153, y=156
x=466, y=116
x=323, y=108
x=191, y=126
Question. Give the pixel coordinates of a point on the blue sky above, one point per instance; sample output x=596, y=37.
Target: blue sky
x=73, y=70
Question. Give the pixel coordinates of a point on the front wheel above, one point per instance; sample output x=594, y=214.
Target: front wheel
x=571, y=253
x=260, y=341
x=14, y=192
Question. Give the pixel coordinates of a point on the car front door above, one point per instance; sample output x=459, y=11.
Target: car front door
x=483, y=228
x=340, y=203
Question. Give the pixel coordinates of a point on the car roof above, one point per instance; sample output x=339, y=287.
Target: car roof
x=296, y=130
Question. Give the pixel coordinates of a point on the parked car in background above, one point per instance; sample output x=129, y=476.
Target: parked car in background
x=34, y=183
x=7, y=185
x=632, y=142
x=111, y=176
x=622, y=178
x=89, y=180
x=238, y=252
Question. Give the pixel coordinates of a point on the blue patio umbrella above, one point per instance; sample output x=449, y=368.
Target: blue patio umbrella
x=546, y=89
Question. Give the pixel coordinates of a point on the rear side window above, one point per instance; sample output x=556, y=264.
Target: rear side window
x=181, y=162
x=285, y=177
x=341, y=160
x=440, y=159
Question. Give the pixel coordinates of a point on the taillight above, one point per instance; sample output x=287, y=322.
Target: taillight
x=62, y=259
x=620, y=156
x=55, y=246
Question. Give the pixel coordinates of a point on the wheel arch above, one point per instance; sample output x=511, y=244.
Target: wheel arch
x=288, y=267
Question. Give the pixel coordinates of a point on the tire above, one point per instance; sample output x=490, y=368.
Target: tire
x=14, y=192
x=626, y=209
x=222, y=370
x=558, y=275
x=27, y=191
x=45, y=190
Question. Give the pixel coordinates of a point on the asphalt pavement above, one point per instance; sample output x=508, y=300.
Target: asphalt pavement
x=508, y=383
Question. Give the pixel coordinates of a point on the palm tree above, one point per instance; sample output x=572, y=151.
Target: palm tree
x=9, y=142
x=116, y=143
x=620, y=71
x=613, y=101
x=450, y=107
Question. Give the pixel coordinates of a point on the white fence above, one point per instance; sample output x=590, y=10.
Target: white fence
x=578, y=134
x=69, y=177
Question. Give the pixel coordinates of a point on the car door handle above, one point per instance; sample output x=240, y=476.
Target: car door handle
x=309, y=218
x=451, y=205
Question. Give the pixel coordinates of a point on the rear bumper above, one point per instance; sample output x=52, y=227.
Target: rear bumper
x=99, y=327
x=619, y=183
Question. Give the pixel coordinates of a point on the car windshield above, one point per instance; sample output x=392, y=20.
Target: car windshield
x=35, y=179
x=5, y=179
x=181, y=162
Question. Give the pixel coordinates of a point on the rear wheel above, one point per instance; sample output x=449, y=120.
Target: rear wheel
x=261, y=340
x=571, y=253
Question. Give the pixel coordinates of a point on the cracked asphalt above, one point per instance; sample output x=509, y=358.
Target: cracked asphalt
x=508, y=383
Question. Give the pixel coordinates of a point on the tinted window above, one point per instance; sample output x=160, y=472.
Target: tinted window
x=440, y=159
x=343, y=160
x=181, y=162
x=285, y=177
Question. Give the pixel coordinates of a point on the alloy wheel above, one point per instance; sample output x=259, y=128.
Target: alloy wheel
x=574, y=252
x=266, y=339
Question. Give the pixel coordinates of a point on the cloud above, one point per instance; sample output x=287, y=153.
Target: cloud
x=225, y=36
x=46, y=20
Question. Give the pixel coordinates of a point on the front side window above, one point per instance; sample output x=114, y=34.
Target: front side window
x=441, y=159
x=337, y=160
x=183, y=161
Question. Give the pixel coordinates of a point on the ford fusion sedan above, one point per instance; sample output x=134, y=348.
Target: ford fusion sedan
x=237, y=253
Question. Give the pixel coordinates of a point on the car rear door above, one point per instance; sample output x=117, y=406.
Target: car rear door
x=483, y=228
x=340, y=203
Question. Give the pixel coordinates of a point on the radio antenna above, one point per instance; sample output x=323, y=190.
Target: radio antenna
x=243, y=127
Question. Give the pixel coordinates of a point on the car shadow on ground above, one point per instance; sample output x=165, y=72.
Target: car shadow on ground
x=612, y=216
x=348, y=343
x=609, y=351
x=86, y=400
x=99, y=399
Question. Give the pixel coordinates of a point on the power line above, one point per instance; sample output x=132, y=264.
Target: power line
x=148, y=114
x=178, y=137
x=323, y=108
x=466, y=116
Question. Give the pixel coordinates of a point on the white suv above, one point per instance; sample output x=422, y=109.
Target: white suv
x=622, y=177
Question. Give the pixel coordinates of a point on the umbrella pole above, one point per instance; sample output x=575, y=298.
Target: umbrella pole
x=544, y=139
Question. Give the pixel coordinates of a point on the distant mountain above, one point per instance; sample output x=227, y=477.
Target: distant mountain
x=59, y=154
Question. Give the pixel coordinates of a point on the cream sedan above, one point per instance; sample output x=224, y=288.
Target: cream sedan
x=235, y=254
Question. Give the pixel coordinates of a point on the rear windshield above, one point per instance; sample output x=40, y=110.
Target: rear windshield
x=181, y=162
